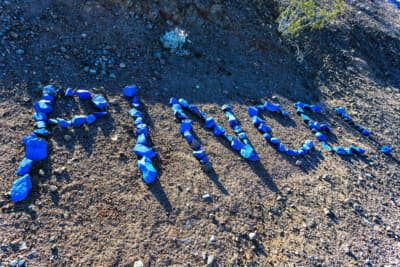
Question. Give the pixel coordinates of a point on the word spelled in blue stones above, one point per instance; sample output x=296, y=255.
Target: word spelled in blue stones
x=141, y=149
x=185, y=130
x=265, y=130
x=341, y=112
x=247, y=151
x=318, y=128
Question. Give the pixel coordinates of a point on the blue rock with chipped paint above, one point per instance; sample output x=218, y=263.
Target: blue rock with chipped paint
x=274, y=140
x=63, y=123
x=264, y=128
x=41, y=124
x=253, y=111
x=199, y=153
x=386, y=149
x=36, y=148
x=340, y=150
x=83, y=94
x=146, y=167
x=256, y=120
x=99, y=101
x=135, y=113
x=43, y=106
x=78, y=120
x=272, y=107
x=210, y=123
x=142, y=129
x=248, y=153
x=69, y=92
x=236, y=144
x=173, y=101
x=40, y=116
x=186, y=125
x=219, y=130
x=130, y=90
x=90, y=119
x=326, y=146
x=100, y=114
x=292, y=152
x=144, y=151
x=21, y=188
x=189, y=137
x=41, y=132
x=48, y=97
x=24, y=167
x=183, y=103
x=281, y=147
x=320, y=136
x=141, y=139
x=233, y=121
x=49, y=89
x=267, y=136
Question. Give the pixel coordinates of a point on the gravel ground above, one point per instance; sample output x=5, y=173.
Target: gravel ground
x=91, y=206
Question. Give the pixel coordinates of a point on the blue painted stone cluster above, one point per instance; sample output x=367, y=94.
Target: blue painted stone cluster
x=318, y=128
x=141, y=149
x=246, y=150
x=35, y=146
x=78, y=120
x=341, y=112
x=266, y=130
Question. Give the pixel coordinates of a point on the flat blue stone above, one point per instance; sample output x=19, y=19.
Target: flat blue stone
x=194, y=109
x=267, y=136
x=299, y=104
x=340, y=150
x=100, y=114
x=49, y=89
x=21, y=188
x=135, y=113
x=348, y=151
x=183, y=103
x=281, y=147
x=63, y=123
x=305, y=118
x=253, y=111
x=24, y=167
x=272, y=107
x=339, y=110
x=135, y=100
x=386, y=149
x=300, y=111
x=90, y=119
x=43, y=106
x=141, y=139
x=40, y=116
x=189, y=137
x=78, y=120
x=144, y=151
x=146, y=167
x=285, y=114
x=233, y=122
x=48, y=97
x=199, y=153
x=248, y=153
x=315, y=108
x=292, y=152
x=173, y=101
x=130, y=90
x=320, y=136
x=180, y=115
x=203, y=115
x=186, y=125
x=218, y=130
x=210, y=122
x=69, y=92
x=242, y=135
x=176, y=107
x=357, y=150
x=236, y=144
x=139, y=120
x=256, y=120
x=365, y=132
x=301, y=152
x=237, y=129
x=41, y=124
x=326, y=146
x=309, y=143
x=228, y=137
x=142, y=129
x=274, y=140
x=226, y=108
x=264, y=128
x=99, y=101
x=41, y=132
x=83, y=94
x=36, y=148
x=204, y=160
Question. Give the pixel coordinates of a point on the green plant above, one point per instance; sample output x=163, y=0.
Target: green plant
x=298, y=15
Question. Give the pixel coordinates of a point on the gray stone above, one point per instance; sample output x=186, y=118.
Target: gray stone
x=41, y=172
x=253, y=236
x=210, y=260
x=53, y=188
x=138, y=264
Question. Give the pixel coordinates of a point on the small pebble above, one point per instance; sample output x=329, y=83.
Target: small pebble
x=210, y=260
x=206, y=196
x=212, y=239
x=252, y=236
x=122, y=65
x=20, y=51
x=23, y=246
x=67, y=138
x=41, y=172
x=53, y=188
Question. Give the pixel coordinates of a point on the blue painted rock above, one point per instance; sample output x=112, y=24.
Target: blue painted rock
x=233, y=121
x=299, y=104
x=21, y=188
x=281, y=147
x=180, y=115
x=135, y=100
x=274, y=140
x=173, y=101
x=41, y=132
x=39, y=116
x=292, y=152
x=43, y=106
x=301, y=151
x=176, y=107
x=272, y=107
x=189, y=137
x=237, y=129
x=226, y=108
x=386, y=149
x=325, y=128
x=260, y=107
x=36, y=148
x=194, y=109
x=183, y=103
x=141, y=139
x=339, y=110
x=256, y=120
x=99, y=101
x=139, y=120
x=248, y=153
x=320, y=136
x=144, y=151
x=100, y=114
x=315, y=108
x=41, y=124
x=69, y=92
x=242, y=135
x=186, y=126
x=305, y=118
x=357, y=150
x=210, y=123
x=326, y=146
x=142, y=129
x=267, y=136
x=264, y=128
x=199, y=153
x=63, y=123
x=202, y=115
x=135, y=113
x=253, y=111
x=49, y=89
x=309, y=143
x=285, y=114
x=24, y=167
x=146, y=167
x=300, y=111
x=78, y=120
x=130, y=90
x=48, y=97
x=340, y=150
x=218, y=130
x=204, y=160
x=236, y=144
x=90, y=119
x=227, y=137
x=83, y=94
x=365, y=132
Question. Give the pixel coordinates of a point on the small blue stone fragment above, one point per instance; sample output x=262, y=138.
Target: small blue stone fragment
x=144, y=151
x=386, y=149
x=272, y=107
x=358, y=127
x=299, y=104
x=176, y=107
x=141, y=139
x=147, y=169
x=194, y=109
x=69, y=92
x=203, y=115
x=248, y=153
x=348, y=151
x=292, y=152
x=49, y=89
x=83, y=94
x=285, y=114
x=218, y=130
x=173, y=101
x=256, y=120
x=237, y=129
x=228, y=137
x=39, y=116
x=180, y=115
x=320, y=136
x=199, y=153
x=48, y=97
x=130, y=90
x=24, y=167
x=339, y=110
x=90, y=119
x=236, y=144
x=204, y=160
x=316, y=108
x=21, y=188
x=326, y=146
x=142, y=129
x=210, y=123
x=186, y=126
x=274, y=140
x=264, y=128
x=305, y=118
x=41, y=132
x=242, y=135
x=281, y=147
x=233, y=122
x=226, y=108
x=36, y=148
x=183, y=103
x=135, y=100
x=301, y=152
x=100, y=114
x=41, y=124
x=267, y=136
x=43, y=106
x=139, y=120
x=78, y=120
x=135, y=113
x=357, y=149
x=63, y=123
x=325, y=128
x=253, y=111
x=365, y=132
x=99, y=101
x=300, y=111
x=340, y=150
x=309, y=143
x=189, y=137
